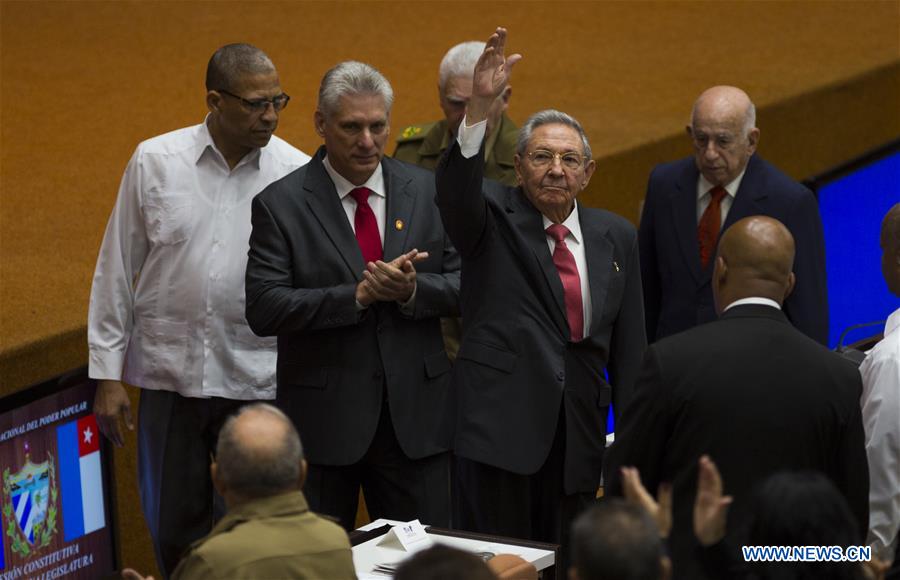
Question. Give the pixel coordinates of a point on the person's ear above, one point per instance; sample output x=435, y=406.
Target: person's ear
x=216, y=479
x=791, y=282
x=517, y=160
x=213, y=101
x=319, y=122
x=752, y=140
x=303, y=470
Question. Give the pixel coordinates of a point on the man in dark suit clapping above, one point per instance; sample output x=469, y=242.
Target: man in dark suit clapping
x=350, y=268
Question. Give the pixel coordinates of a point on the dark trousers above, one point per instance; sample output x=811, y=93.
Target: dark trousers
x=491, y=500
x=394, y=486
x=176, y=439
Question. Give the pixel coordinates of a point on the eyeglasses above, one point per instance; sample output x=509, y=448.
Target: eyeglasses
x=543, y=158
x=259, y=105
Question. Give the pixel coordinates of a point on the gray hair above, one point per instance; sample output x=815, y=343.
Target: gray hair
x=254, y=468
x=233, y=61
x=614, y=539
x=550, y=117
x=459, y=61
x=352, y=78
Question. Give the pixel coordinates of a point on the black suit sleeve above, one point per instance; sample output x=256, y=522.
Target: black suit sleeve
x=438, y=294
x=852, y=476
x=649, y=271
x=460, y=199
x=641, y=436
x=807, y=307
x=274, y=306
x=628, y=341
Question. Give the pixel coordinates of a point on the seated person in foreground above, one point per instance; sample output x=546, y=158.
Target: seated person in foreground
x=268, y=531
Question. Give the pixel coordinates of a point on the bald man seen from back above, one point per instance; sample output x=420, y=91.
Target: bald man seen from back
x=749, y=390
x=691, y=201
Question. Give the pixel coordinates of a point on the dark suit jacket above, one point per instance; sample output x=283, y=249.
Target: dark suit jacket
x=333, y=360
x=758, y=397
x=677, y=290
x=516, y=366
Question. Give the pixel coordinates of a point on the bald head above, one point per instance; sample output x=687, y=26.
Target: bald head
x=890, y=249
x=259, y=453
x=755, y=259
x=725, y=102
x=723, y=132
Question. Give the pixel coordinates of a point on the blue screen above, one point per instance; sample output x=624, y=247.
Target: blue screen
x=852, y=209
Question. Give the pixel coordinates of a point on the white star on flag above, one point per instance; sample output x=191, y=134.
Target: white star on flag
x=88, y=435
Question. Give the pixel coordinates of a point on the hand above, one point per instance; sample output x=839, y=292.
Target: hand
x=660, y=509
x=710, y=506
x=129, y=574
x=492, y=73
x=875, y=569
x=110, y=404
x=394, y=280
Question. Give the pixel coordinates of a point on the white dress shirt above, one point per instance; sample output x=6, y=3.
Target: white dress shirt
x=167, y=301
x=704, y=197
x=377, y=202
x=469, y=139
x=881, y=419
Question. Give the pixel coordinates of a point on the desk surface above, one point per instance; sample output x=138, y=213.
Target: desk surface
x=368, y=554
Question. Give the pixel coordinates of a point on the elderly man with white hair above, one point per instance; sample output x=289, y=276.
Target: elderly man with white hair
x=423, y=144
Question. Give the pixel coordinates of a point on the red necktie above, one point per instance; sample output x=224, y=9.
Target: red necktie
x=571, y=281
x=366, y=226
x=710, y=224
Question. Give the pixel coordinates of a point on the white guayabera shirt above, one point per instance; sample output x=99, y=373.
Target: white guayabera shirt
x=167, y=301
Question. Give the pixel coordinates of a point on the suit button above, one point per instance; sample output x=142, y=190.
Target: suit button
x=560, y=376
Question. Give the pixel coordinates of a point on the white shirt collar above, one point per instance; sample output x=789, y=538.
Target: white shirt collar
x=754, y=300
x=344, y=187
x=893, y=322
x=703, y=185
x=572, y=223
x=205, y=143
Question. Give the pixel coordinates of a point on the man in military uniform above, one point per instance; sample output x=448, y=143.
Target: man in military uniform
x=423, y=145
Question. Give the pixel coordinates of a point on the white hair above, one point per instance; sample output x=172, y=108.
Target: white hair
x=352, y=78
x=459, y=61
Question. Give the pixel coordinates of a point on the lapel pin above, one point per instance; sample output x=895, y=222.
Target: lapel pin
x=398, y=225
x=616, y=264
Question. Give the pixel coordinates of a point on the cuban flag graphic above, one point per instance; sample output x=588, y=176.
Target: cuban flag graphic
x=80, y=480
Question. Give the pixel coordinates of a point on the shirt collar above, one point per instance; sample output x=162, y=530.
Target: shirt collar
x=703, y=185
x=572, y=223
x=893, y=322
x=754, y=300
x=206, y=146
x=343, y=186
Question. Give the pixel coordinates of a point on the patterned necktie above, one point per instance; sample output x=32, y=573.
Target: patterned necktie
x=710, y=224
x=366, y=226
x=571, y=281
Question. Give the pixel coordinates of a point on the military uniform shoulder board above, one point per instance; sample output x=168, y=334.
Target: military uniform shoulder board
x=414, y=132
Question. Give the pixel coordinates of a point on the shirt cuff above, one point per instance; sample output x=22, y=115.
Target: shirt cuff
x=409, y=307
x=106, y=365
x=470, y=138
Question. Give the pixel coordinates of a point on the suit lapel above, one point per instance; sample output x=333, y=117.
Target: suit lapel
x=598, y=253
x=326, y=206
x=400, y=203
x=684, y=212
x=525, y=218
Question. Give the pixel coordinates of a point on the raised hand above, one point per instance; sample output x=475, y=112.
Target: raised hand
x=492, y=72
x=710, y=506
x=660, y=509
